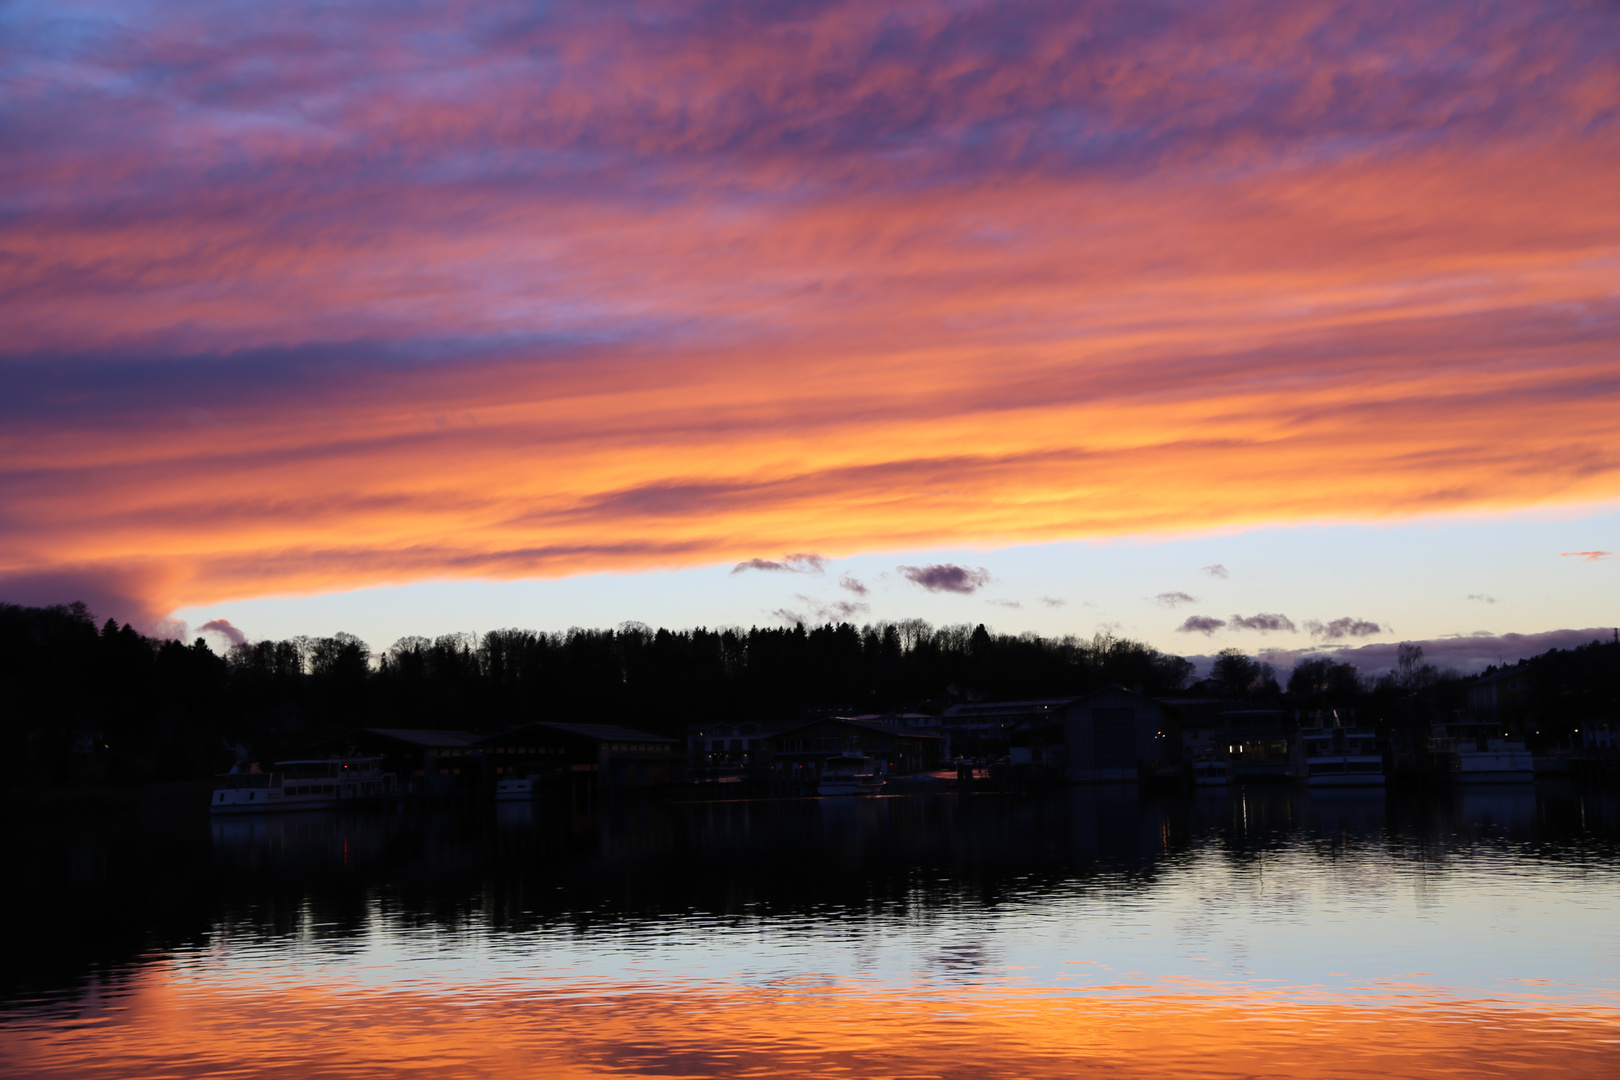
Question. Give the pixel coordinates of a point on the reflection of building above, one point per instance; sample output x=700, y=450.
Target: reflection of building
x=425, y=762
x=595, y=757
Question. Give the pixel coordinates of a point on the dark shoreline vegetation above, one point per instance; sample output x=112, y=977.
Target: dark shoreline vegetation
x=88, y=704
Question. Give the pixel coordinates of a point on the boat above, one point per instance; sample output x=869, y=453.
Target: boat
x=1210, y=771
x=319, y=784
x=849, y=774
x=1339, y=756
x=1481, y=753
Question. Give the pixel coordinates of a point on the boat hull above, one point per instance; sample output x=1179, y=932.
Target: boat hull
x=838, y=787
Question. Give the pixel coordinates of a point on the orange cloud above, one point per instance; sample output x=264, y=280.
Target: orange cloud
x=691, y=297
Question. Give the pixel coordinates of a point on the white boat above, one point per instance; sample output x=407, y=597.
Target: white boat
x=1210, y=771
x=849, y=774
x=1340, y=757
x=1482, y=753
x=302, y=785
x=518, y=789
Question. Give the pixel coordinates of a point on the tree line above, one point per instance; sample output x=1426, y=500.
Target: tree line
x=81, y=701
x=77, y=698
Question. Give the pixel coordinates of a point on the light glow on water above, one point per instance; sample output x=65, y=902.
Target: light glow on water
x=1271, y=934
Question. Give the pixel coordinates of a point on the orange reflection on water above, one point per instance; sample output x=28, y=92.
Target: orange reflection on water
x=171, y=1025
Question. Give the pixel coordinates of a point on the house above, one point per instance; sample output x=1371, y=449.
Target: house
x=994, y=728
x=1500, y=698
x=1116, y=734
x=800, y=749
x=596, y=757
x=426, y=762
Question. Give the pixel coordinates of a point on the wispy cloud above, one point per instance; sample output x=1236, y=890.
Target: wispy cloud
x=1264, y=622
x=1006, y=603
x=1482, y=598
x=853, y=584
x=802, y=563
x=1200, y=624
x=1052, y=601
x=832, y=611
x=946, y=577
x=1216, y=570
x=1587, y=556
x=1339, y=629
x=1174, y=599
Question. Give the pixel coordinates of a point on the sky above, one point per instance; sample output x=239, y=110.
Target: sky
x=407, y=318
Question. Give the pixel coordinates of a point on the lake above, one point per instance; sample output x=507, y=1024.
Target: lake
x=1102, y=932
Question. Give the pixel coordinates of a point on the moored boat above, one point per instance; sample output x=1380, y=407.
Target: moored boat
x=849, y=774
x=1482, y=753
x=302, y=785
x=1340, y=756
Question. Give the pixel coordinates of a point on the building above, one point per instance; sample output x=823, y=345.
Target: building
x=425, y=762
x=799, y=750
x=590, y=758
x=1500, y=698
x=1115, y=734
x=991, y=729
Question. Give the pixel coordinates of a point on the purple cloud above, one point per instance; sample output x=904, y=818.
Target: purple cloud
x=224, y=629
x=800, y=563
x=946, y=577
x=1200, y=624
x=1052, y=601
x=853, y=585
x=1216, y=570
x=1174, y=599
x=1265, y=622
x=1339, y=629
x=788, y=616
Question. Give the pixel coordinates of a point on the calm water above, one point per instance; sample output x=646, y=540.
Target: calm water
x=1097, y=933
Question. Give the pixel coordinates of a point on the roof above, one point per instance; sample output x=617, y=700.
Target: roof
x=1007, y=708
x=599, y=732
x=879, y=729
x=432, y=739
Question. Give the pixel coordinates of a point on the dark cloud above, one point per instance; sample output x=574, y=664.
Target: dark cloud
x=1339, y=629
x=224, y=629
x=1464, y=653
x=1482, y=598
x=1216, y=570
x=109, y=594
x=801, y=563
x=1265, y=622
x=1174, y=599
x=946, y=577
x=853, y=584
x=1052, y=601
x=1587, y=556
x=1200, y=624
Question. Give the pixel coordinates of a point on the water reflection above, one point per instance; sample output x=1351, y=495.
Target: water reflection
x=1127, y=932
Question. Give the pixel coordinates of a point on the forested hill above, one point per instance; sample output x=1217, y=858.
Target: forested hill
x=157, y=709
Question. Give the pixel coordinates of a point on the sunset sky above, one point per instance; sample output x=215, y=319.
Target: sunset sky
x=410, y=319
